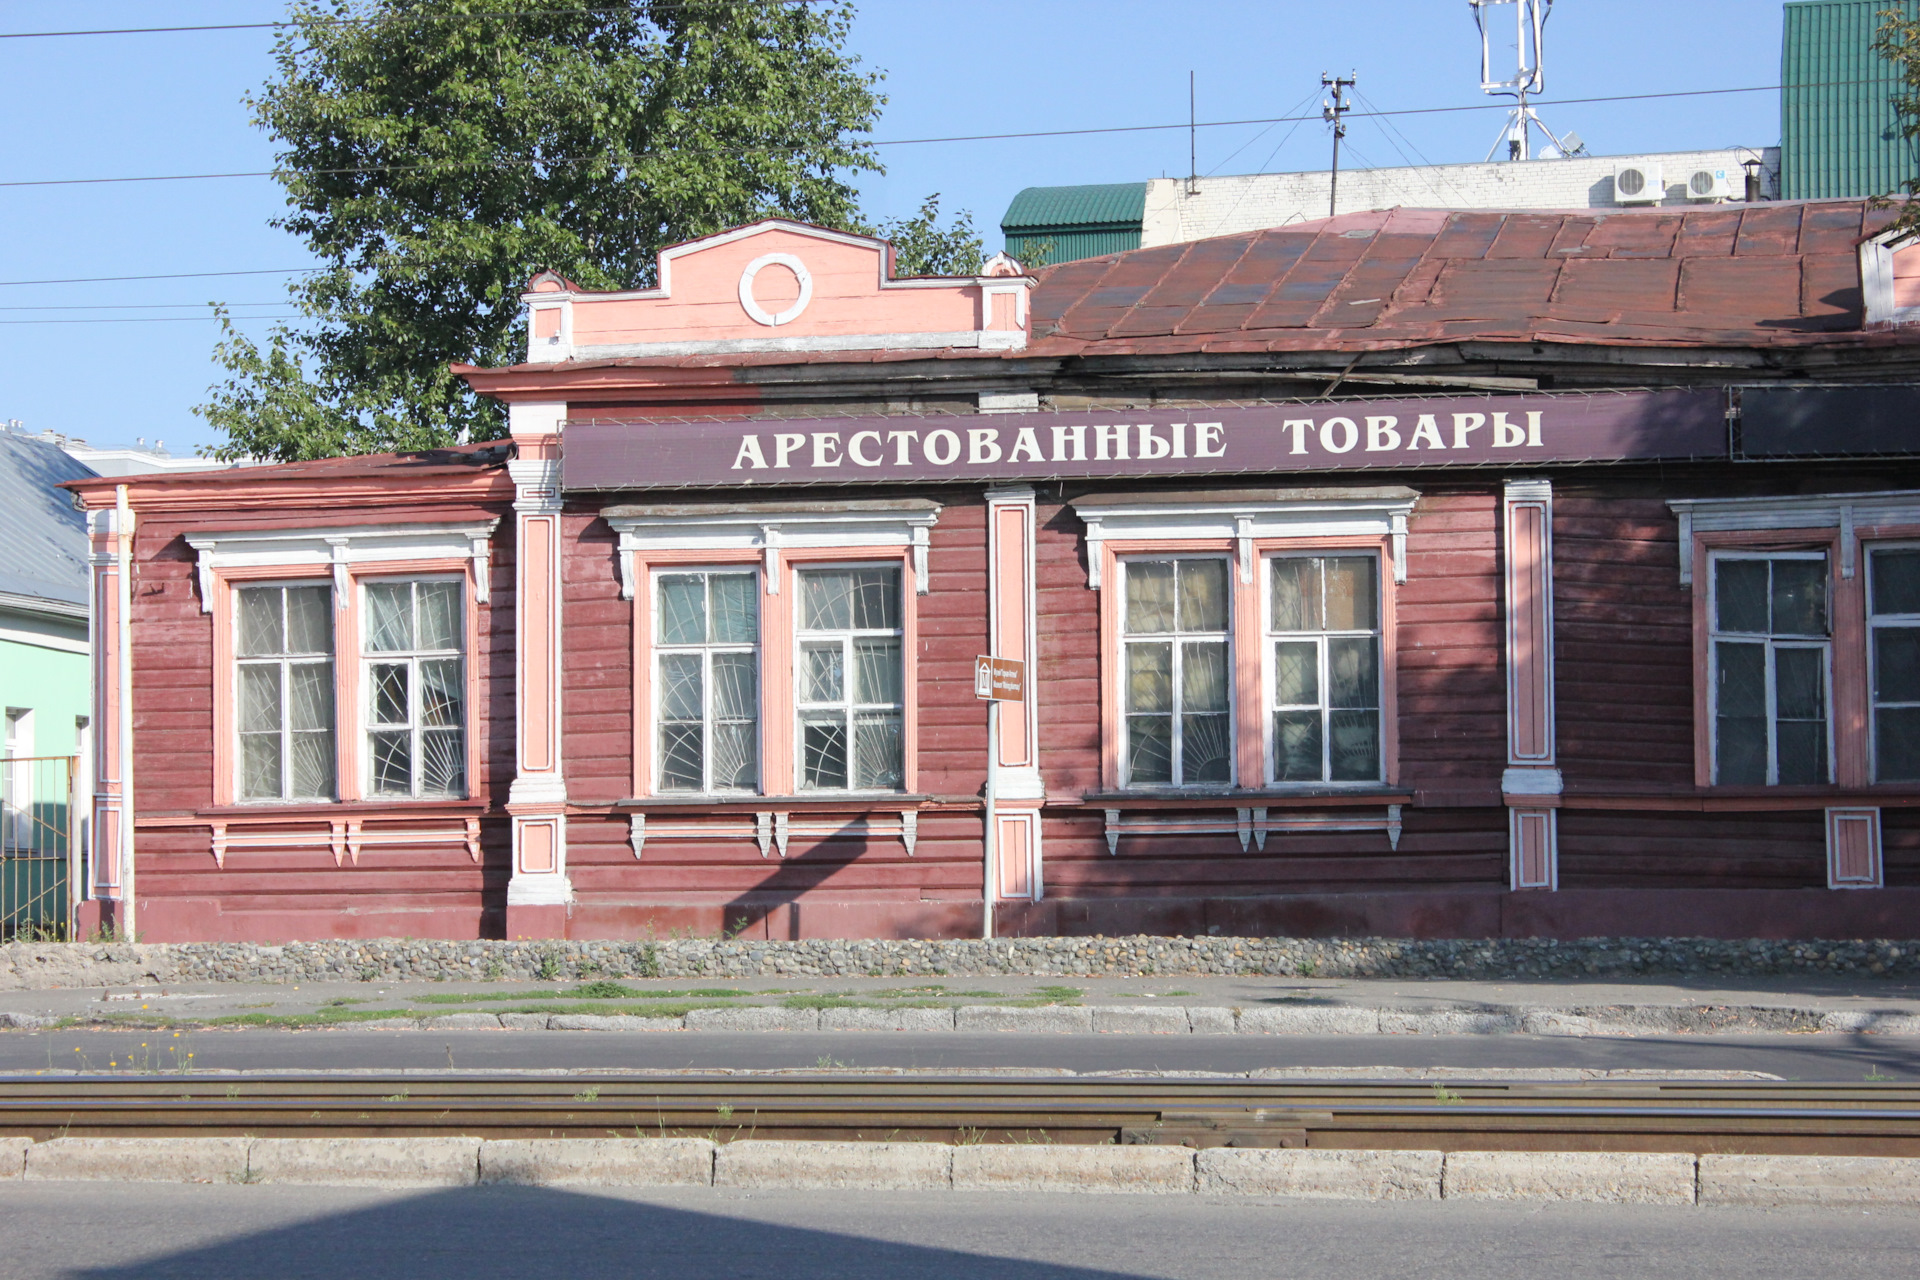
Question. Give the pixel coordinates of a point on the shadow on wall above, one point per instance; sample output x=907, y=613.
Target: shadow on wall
x=521, y=1232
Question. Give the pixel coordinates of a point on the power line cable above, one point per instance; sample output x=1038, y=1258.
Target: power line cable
x=171, y=275
x=137, y=306
x=343, y=22
x=153, y=319
x=511, y=161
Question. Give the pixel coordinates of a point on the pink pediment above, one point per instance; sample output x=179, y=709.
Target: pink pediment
x=777, y=286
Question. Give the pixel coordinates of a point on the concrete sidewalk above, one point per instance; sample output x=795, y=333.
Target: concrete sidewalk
x=1180, y=1006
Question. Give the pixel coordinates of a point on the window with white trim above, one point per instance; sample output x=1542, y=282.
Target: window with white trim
x=1323, y=668
x=707, y=680
x=849, y=696
x=1771, y=679
x=414, y=695
x=1177, y=698
x=1893, y=656
x=284, y=693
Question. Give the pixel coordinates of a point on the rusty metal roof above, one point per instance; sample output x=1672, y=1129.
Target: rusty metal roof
x=1719, y=275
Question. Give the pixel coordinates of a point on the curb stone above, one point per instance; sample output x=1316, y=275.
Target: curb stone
x=597, y=1162
x=837, y=1166
x=1309, y=1020
x=610, y=1022
x=1611, y=1177
x=138, y=1160
x=13, y=1157
x=754, y=1018
x=1211, y=1020
x=1138, y=1019
x=412, y=1162
x=1809, y=1180
x=1051, y=1018
x=1320, y=1175
x=1161, y=1170
x=461, y=1022
x=886, y=1020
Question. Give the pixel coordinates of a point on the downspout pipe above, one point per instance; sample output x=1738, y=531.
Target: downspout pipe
x=123, y=529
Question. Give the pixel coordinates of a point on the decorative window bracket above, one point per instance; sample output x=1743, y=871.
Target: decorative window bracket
x=772, y=830
x=344, y=838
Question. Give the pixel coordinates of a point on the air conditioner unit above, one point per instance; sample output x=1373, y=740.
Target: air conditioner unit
x=1638, y=183
x=1709, y=184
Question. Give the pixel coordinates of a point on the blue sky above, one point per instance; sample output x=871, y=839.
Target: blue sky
x=171, y=104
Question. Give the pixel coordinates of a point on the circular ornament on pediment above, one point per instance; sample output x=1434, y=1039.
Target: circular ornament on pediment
x=800, y=273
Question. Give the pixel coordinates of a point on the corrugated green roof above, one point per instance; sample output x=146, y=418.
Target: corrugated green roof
x=1839, y=134
x=1112, y=204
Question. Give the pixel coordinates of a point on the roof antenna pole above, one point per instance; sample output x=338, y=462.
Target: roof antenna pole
x=1332, y=110
x=1527, y=79
x=1193, y=126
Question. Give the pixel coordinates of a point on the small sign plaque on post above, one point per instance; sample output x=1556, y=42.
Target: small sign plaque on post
x=1001, y=679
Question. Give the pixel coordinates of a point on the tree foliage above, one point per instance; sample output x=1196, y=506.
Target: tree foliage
x=1898, y=41
x=922, y=247
x=436, y=153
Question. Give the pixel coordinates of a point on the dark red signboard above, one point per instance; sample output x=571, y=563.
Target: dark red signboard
x=1267, y=439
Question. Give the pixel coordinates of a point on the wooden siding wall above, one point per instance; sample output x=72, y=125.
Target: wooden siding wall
x=296, y=892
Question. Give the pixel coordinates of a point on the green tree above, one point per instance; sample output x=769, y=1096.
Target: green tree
x=1898, y=41
x=921, y=247
x=436, y=153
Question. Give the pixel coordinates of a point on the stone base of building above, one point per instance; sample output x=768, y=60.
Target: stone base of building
x=1778, y=914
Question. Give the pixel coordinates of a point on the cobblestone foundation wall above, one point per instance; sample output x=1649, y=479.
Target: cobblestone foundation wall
x=41, y=965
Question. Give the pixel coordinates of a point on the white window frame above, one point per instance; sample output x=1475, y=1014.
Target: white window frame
x=413, y=658
x=241, y=662
x=660, y=648
x=1875, y=621
x=1122, y=566
x=1269, y=685
x=802, y=637
x=1771, y=644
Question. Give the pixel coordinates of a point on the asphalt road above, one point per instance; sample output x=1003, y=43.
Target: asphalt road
x=1794, y=1057
x=95, y=1231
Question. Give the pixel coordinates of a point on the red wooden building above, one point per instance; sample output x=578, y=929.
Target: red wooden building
x=1412, y=573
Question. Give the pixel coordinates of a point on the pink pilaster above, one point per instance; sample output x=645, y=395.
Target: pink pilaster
x=539, y=892
x=101, y=895
x=1531, y=783
x=1013, y=633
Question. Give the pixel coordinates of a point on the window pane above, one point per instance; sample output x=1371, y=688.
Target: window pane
x=309, y=696
x=1350, y=594
x=680, y=757
x=826, y=599
x=1203, y=675
x=1203, y=595
x=1740, y=595
x=681, y=686
x=1206, y=749
x=1896, y=581
x=1296, y=746
x=1353, y=672
x=1800, y=684
x=1800, y=597
x=823, y=750
x=876, y=671
x=736, y=694
x=260, y=766
x=311, y=759
x=735, y=609
x=683, y=609
x=260, y=698
x=1296, y=593
x=876, y=751
x=1896, y=744
x=389, y=616
x=310, y=620
x=1150, y=677
x=1740, y=722
x=443, y=761
x=388, y=681
x=1355, y=739
x=876, y=599
x=822, y=677
x=1149, y=596
x=735, y=766
x=392, y=753
x=442, y=696
x=1296, y=673
x=1896, y=664
x=1150, y=748
x=440, y=615
x=1803, y=751
x=260, y=631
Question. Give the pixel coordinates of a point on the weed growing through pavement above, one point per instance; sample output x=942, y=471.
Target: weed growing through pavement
x=1874, y=1074
x=826, y=1062
x=591, y=1094
x=1059, y=995
x=396, y=1097
x=1442, y=1094
x=969, y=1137
x=549, y=968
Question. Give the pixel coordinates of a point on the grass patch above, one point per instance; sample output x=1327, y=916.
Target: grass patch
x=1058, y=995
x=932, y=989
x=591, y=991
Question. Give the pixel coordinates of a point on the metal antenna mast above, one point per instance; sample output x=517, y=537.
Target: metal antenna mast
x=1529, y=74
x=1332, y=110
